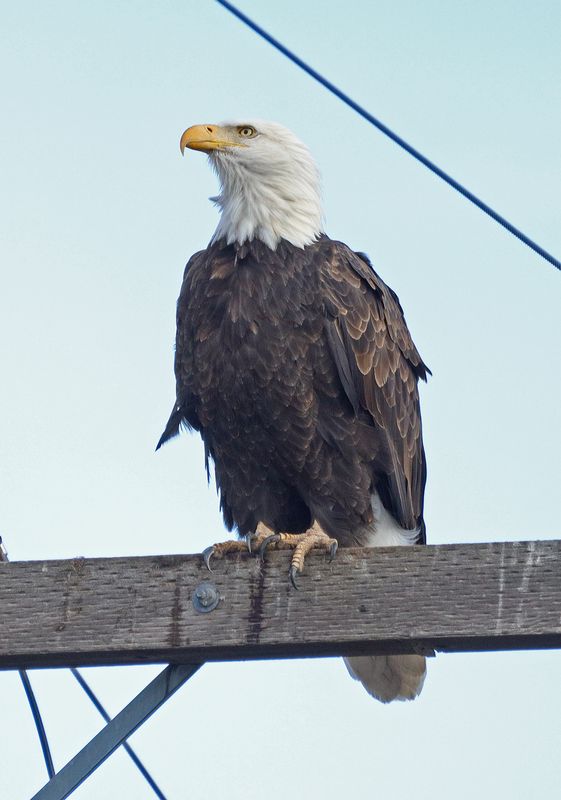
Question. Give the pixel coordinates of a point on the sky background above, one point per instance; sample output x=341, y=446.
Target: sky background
x=98, y=215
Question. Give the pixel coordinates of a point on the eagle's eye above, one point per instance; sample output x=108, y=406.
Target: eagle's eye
x=246, y=131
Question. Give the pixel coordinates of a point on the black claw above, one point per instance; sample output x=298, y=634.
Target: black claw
x=207, y=554
x=269, y=540
x=332, y=551
x=293, y=572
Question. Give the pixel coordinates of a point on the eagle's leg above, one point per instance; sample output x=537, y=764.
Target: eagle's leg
x=301, y=543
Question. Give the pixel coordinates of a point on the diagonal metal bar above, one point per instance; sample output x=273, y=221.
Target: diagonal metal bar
x=116, y=732
x=130, y=752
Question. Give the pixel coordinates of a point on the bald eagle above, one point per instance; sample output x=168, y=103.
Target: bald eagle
x=294, y=362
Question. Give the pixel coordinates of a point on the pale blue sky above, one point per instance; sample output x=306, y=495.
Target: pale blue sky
x=98, y=215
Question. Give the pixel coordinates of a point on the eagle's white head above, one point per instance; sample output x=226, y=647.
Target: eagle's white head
x=270, y=186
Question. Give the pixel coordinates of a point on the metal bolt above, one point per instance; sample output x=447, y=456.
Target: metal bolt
x=205, y=597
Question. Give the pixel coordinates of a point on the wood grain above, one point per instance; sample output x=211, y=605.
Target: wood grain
x=134, y=610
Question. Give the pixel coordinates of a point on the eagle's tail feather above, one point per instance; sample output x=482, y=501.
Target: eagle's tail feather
x=389, y=678
x=172, y=427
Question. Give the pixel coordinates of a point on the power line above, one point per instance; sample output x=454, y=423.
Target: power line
x=135, y=759
x=388, y=132
x=38, y=722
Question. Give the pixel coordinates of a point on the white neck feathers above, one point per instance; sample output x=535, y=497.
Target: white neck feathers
x=270, y=195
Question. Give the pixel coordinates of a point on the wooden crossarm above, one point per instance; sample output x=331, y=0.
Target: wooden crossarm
x=466, y=597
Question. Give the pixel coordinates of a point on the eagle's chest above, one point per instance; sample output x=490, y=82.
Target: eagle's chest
x=254, y=334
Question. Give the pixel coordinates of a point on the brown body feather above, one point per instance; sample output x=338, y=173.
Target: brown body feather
x=298, y=370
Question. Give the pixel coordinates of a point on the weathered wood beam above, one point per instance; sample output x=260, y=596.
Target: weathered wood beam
x=135, y=610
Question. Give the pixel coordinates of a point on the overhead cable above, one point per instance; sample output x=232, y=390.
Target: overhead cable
x=38, y=722
x=388, y=132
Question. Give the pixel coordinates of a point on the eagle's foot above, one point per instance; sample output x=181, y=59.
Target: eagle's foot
x=250, y=544
x=222, y=548
x=301, y=543
x=255, y=540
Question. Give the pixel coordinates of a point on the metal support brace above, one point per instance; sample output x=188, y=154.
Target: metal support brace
x=116, y=731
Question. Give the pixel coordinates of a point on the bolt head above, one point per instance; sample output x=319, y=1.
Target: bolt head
x=205, y=597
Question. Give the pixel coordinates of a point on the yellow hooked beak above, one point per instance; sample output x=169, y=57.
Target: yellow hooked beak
x=206, y=138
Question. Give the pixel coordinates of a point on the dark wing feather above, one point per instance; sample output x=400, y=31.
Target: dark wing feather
x=379, y=367
x=183, y=412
